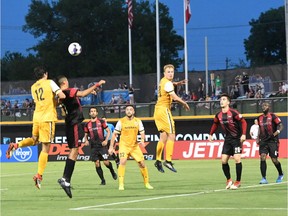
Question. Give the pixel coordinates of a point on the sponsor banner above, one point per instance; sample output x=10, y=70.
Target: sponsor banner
x=60, y=152
x=27, y=154
x=187, y=150
x=191, y=141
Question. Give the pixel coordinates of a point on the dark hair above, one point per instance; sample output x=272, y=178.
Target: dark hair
x=93, y=108
x=60, y=79
x=226, y=95
x=130, y=105
x=39, y=72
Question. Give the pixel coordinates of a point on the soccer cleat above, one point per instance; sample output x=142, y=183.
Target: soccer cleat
x=114, y=176
x=103, y=182
x=11, y=148
x=263, y=181
x=229, y=183
x=169, y=165
x=159, y=167
x=37, y=179
x=280, y=178
x=148, y=186
x=236, y=185
x=66, y=187
x=121, y=187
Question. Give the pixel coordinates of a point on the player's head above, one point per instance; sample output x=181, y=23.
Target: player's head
x=93, y=112
x=265, y=107
x=40, y=72
x=169, y=71
x=129, y=111
x=225, y=100
x=256, y=121
x=62, y=81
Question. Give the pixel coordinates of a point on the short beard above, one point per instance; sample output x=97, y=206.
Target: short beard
x=266, y=111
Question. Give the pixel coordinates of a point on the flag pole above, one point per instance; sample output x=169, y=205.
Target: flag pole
x=130, y=21
x=157, y=42
x=187, y=15
x=206, y=65
x=130, y=57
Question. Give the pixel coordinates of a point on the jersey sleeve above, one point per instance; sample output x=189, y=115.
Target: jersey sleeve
x=86, y=128
x=169, y=87
x=276, y=119
x=54, y=86
x=103, y=123
x=214, y=125
x=141, y=127
x=118, y=127
x=238, y=117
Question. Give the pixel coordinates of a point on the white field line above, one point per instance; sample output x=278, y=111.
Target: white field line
x=99, y=207
x=177, y=209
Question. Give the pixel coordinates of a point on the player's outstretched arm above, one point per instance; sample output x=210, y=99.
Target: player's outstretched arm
x=179, y=100
x=91, y=89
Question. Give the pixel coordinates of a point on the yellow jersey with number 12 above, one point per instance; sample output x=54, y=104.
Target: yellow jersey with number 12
x=43, y=93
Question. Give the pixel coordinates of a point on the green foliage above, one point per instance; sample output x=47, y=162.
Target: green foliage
x=15, y=66
x=266, y=44
x=101, y=27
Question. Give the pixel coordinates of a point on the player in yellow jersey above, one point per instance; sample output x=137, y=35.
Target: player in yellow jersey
x=128, y=128
x=163, y=117
x=44, y=92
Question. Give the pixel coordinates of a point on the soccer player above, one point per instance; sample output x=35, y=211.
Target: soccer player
x=234, y=126
x=270, y=127
x=112, y=128
x=99, y=150
x=73, y=126
x=254, y=130
x=128, y=127
x=43, y=92
x=163, y=117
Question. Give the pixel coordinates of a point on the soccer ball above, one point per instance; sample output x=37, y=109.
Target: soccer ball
x=74, y=49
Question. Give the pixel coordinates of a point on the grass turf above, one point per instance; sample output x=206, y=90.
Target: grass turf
x=198, y=188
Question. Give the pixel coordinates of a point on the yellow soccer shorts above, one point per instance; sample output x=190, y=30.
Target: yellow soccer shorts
x=45, y=131
x=133, y=151
x=164, y=120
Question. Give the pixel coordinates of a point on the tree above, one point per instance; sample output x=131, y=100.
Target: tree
x=15, y=66
x=266, y=44
x=101, y=27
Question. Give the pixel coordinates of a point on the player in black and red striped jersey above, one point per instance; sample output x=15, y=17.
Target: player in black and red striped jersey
x=94, y=129
x=234, y=127
x=73, y=126
x=270, y=126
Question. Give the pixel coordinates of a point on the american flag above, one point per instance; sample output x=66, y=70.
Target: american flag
x=187, y=10
x=130, y=13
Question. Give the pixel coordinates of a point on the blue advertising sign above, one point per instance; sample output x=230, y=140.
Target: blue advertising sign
x=27, y=154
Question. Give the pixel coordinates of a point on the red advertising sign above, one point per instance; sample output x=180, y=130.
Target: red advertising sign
x=198, y=149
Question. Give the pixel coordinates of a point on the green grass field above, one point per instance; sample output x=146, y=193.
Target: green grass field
x=197, y=189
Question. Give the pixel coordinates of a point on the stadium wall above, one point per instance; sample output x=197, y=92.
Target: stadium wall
x=191, y=141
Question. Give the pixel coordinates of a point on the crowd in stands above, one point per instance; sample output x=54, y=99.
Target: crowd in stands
x=244, y=86
x=17, y=109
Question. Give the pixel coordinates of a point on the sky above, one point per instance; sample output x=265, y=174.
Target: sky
x=225, y=24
